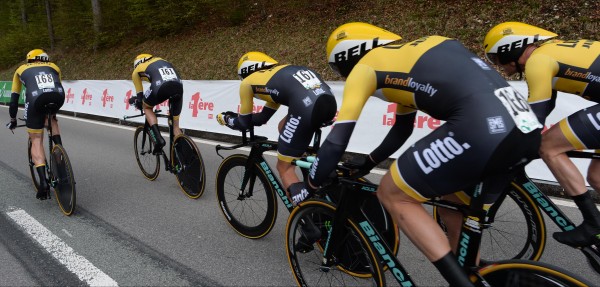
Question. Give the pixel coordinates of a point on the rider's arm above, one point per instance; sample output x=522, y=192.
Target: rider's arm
x=13, y=107
x=263, y=117
x=360, y=85
x=137, y=80
x=539, y=72
x=55, y=67
x=398, y=134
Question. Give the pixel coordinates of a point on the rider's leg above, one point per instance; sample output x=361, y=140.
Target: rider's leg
x=176, y=105
x=553, y=148
x=55, y=131
x=39, y=160
x=159, y=141
x=452, y=220
x=422, y=230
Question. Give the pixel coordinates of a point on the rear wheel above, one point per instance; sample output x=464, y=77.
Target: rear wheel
x=529, y=274
x=62, y=180
x=189, y=166
x=149, y=163
x=514, y=228
x=251, y=211
x=358, y=265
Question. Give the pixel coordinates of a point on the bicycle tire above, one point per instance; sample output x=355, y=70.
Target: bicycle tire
x=306, y=264
x=35, y=178
x=250, y=216
x=190, y=173
x=525, y=273
x=149, y=163
x=63, y=179
x=514, y=228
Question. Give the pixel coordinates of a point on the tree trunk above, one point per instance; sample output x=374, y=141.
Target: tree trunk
x=97, y=14
x=23, y=13
x=50, y=28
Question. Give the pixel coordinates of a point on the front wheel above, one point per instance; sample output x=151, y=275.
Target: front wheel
x=251, y=211
x=307, y=234
x=189, y=166
x=142, y=146
x=63, y=180
x=525, y=273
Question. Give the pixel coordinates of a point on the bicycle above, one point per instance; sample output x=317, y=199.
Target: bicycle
x=250, y=206
x=528, y=202
x=59, y=173
x=185, y=160
x=347, y=233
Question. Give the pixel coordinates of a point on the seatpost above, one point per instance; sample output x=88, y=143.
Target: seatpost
x=317, y=140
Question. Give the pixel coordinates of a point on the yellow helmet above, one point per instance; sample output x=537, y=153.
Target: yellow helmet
x=350, y=42
x=37, y=55
x=505, y=42
x=252, y=62
x=140, y=59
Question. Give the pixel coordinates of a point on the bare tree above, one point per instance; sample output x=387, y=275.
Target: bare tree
x=23, y=13
x=97, y=14
x=50, y=27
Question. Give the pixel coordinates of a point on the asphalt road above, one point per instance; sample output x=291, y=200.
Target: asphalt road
x=130, y=231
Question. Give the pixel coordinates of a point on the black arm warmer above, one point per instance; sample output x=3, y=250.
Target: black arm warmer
x=14, y=105
x=243, y=122
x=543, y=109
x=262, y=117
x=402, y=129
x=330, y=152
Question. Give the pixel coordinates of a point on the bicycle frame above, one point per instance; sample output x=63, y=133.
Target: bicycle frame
x=260, y=145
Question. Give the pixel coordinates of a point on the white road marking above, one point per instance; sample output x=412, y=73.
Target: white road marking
x=67, y=233
x=559, y=202
x=76, y=263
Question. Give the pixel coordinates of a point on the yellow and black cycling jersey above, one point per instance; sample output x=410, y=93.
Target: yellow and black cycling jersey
x=42, y=81
x=485, y=117
x=309, y=100
x=565, y=66
x=165, y=84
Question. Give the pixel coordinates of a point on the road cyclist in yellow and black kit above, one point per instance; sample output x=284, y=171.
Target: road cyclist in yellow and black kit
x=42, y=81
x=568, y=66
x=310, y=104
x=489, y=128
x=165, y=84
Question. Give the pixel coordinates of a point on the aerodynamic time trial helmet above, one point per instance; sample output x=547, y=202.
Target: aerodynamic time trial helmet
x=140, y=59
x=252, y=62
x=37, y=55
x=507, y=41
x=350, y=42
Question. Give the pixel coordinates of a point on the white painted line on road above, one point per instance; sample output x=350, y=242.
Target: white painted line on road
x=375, y=171
x=76, y=263
x=67, y=233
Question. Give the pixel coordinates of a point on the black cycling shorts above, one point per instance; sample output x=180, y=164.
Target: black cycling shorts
x=35, y=109
x=305, y=116
x=169, y=90
x=582, y=129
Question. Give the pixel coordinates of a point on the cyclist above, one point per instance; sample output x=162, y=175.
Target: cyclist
x=570, y=67
x=42, y=80
x=165, y=84
x=489, y=127
x=309, y=100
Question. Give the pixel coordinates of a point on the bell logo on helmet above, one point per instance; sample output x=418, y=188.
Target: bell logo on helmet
x=517, y=44
x=357, y=50
x=253, y=68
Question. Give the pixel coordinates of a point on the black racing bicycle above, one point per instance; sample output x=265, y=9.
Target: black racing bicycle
x=348, y=240
x=247, y=187
x=184, y=158
x=515, y=226
x=59, y=173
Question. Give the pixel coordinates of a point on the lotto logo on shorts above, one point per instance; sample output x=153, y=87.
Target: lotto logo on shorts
x=439, y=152
x=290, y=129
x=496, y=125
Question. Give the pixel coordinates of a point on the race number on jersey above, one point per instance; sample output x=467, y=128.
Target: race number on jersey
x=44, y=81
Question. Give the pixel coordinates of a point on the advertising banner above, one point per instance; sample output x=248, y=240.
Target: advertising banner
x=203, y=100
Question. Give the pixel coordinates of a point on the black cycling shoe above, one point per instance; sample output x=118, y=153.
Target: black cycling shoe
x=42, y=194
x=157, y=139
x=583, y=235
x=310, y=233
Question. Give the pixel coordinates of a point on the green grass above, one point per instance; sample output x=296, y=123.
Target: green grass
x=295, y=32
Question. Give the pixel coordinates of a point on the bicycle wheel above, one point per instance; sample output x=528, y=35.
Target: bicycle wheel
x=35, y=178
x=63, y=180
x=377, y=214
x=251, y=212
x=149, y=163
x=526, y=273
x=514, y=228
x=189, y=166
x=306, y=261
